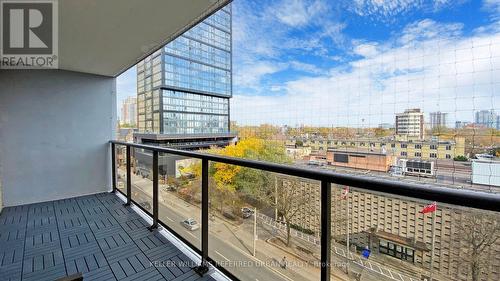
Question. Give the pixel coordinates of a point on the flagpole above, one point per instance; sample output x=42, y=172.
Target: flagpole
x=432, y=242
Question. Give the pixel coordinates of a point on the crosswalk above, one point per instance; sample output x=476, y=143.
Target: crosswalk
x=339, y=251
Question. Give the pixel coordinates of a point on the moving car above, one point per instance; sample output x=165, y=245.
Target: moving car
x=246, y=212
x=190, y=224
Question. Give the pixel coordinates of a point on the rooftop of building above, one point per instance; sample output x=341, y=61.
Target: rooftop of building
x=378, y=140
x=184, y=137
x=367, y=152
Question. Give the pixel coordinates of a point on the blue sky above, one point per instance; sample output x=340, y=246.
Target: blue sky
x=357, y=63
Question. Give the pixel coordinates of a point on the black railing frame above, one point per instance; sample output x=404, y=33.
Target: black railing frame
x=129, y=177
x=113, y=167
x=155, y=192
x=203, y=268
x=460, y=197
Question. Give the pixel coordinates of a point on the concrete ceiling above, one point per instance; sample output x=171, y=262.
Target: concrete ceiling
x=106, y=37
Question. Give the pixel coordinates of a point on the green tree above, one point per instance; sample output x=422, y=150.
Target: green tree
x=460, y=158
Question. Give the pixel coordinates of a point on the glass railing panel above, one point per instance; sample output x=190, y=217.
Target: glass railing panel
x=378, y=236
x=248, y=230
x=180, y=196
x=121, y=168
x=142, y=178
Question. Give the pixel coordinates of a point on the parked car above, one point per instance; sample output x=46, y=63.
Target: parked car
x=190, y=224
x=246, y=212
x=171, y=187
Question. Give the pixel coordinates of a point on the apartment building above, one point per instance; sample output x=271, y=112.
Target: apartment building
x=486, y=118
x=183, y=92
x=184, y=88
x=395, y=230
x=366, y=160
x=297, y=152
x=462, y=124
x=410, y=124
x=421, y=149
x=438, y=119
x=129, y=111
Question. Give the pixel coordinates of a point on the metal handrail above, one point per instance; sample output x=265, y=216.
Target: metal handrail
x=427, y=192
x=465, y=198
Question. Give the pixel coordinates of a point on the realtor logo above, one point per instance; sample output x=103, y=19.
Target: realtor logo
x=28, y=34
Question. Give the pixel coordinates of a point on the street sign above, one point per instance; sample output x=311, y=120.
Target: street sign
x=366, y=253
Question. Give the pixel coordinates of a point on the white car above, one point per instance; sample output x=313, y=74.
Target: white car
x=190, y=224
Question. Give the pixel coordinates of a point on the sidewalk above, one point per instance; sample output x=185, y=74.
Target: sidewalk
x=243, y=241
x=339, y=254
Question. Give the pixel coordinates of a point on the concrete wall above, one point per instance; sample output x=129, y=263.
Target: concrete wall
x=54, y=129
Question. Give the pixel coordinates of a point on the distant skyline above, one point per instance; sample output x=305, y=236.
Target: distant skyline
x=336, y=63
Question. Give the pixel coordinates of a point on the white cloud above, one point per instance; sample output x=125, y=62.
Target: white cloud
x=305, y=67
x=493, y=7
x=250, y=74
x=262, y=40
x=366, y=49
x=333, y=30
x=385, y=10
x=444, y=71
x=297, y=13
x=428, y=29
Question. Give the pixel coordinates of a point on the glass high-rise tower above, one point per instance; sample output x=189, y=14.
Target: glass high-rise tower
x=184, y=88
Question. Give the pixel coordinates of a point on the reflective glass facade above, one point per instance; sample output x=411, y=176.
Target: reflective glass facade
x=184, y=88
x=187, y=113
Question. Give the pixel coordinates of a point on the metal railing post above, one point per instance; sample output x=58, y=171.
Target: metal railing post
x=203, y=268
x=113, y=166
x=129, y=178
x=326, y=223
x=155, y=192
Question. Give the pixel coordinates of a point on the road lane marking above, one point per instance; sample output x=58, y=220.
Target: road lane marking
x=169, y=219
x=222, y=256
x=192, y=235
x=257, y=259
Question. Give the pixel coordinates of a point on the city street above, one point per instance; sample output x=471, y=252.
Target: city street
x=232, y=245
x=235, y=258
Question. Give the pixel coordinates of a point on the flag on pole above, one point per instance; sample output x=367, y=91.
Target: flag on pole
x=429, y=208
x=345, y=192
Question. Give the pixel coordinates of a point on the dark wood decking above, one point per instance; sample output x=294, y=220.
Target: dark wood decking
x=95, y=235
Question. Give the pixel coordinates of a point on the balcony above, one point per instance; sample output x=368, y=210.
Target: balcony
x=136, y=231
x=93, y=237
x=404, y=244
x=77, y=208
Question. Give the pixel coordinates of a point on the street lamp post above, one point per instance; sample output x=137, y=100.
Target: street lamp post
x=254, y=230
x=275, y=198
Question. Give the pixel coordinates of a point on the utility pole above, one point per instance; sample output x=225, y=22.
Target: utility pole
x=254, y=230
x=275, y=198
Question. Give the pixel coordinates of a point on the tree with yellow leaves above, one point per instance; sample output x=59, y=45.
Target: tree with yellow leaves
x=224, y=174
x=229, y=179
